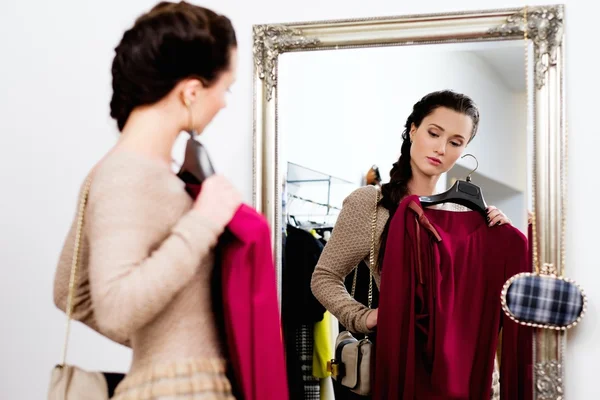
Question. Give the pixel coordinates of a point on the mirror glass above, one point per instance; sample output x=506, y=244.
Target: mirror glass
x=341, y=115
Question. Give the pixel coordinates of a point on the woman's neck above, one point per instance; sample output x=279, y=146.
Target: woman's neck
x=151, y=131
x=421, y=184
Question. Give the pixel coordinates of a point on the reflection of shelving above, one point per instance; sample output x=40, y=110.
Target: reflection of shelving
x=312, y=193
x=314, y=202
x=317, y=187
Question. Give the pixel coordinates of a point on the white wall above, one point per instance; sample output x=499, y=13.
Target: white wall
x=512, y=202
x=54, y=93
x=342, y=111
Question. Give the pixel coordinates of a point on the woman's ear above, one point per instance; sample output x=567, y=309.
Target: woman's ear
x=413, y=129
x=190, y=90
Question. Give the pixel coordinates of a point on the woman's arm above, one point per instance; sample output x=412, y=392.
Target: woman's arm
x=133, y=273
x=349, y=244
x=83, y=310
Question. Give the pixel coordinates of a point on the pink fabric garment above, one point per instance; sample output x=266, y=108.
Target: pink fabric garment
x=250, y=307
x=440, y=312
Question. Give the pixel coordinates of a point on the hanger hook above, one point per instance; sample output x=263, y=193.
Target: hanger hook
x=477, y=166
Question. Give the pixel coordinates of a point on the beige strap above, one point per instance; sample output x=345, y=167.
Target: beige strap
x=371, y=256
x=75, y=264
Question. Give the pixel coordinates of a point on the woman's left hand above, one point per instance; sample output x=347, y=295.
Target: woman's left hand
x=496, y=217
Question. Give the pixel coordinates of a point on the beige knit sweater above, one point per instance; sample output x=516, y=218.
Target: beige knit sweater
x=350, y=243
x=146, y=263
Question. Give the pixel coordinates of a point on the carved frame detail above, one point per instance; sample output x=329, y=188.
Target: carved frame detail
x=545, y=27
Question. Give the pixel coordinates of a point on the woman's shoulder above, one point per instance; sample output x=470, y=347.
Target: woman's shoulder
x=125, y=173
x=364, y=194
x=362, y=198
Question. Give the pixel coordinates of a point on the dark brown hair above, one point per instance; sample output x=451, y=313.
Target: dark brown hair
x=401, y=174
x=171, y=42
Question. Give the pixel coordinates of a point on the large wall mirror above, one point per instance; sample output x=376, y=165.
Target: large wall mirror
x=331, y=103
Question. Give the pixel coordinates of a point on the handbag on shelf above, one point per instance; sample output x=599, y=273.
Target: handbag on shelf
x=69, y=382
x=351, y=366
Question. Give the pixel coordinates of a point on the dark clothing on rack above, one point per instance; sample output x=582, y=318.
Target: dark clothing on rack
x=302, y=251
x=300, y=310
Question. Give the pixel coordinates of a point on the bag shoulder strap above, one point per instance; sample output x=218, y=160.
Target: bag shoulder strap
x=75, y=263
x=371, y=255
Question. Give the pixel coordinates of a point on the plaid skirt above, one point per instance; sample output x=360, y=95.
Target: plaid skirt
x=202, y=379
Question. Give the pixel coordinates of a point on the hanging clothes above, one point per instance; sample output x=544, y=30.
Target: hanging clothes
x=440, y=313
x=292, y=357
x=304, y=343
x=248, y=301
x=300, y=311
x=302, y=252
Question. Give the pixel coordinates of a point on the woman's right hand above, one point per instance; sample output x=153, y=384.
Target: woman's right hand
x=372, y=319
x=218, y=200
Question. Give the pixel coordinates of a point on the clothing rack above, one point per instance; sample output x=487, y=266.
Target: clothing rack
x=329, y=206
x=317, y=177
x=316, y=188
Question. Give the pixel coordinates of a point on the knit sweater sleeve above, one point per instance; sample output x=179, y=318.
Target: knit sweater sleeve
x=140, y=257
x=349, y=244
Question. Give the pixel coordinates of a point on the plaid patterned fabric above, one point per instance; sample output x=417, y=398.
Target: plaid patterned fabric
x=304, y=347
x=544, y=300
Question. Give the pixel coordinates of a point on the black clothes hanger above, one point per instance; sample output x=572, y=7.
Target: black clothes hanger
x=196, y=165
x=293, y=218
x=462, y=192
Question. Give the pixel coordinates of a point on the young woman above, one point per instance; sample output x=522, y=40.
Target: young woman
x=435, y=136
x=147, y=253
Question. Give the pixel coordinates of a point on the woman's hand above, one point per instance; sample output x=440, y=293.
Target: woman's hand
x=218, y=201
x=496, y=217
x=372, y=319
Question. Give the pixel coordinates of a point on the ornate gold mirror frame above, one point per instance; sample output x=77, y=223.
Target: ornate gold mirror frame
x=544, y=32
